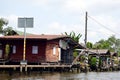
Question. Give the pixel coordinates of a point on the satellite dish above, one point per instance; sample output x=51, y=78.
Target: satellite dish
x=64, y=45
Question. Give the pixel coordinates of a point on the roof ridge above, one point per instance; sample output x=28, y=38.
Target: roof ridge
x=48, y=37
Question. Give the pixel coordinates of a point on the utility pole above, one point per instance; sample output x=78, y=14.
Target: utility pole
x=86, y=29
x=86, y=52
x=25, y=23
x=24, y=45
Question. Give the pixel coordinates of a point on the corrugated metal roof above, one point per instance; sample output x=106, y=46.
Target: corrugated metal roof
x=40, y=37
x=48, y=37
x=98, y=51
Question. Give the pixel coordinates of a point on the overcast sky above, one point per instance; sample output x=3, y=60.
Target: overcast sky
x=59, y=16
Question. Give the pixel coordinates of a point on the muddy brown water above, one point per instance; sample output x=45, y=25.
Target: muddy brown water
x=61, y=76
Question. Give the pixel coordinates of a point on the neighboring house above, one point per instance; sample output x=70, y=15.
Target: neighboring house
x=39, y=48
x=115, y=59
x=103, y=54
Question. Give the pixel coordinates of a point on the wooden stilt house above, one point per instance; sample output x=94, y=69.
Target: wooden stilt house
x=39, y=48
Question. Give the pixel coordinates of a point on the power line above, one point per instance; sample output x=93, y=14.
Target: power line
x=103, y=25
x=100, y=32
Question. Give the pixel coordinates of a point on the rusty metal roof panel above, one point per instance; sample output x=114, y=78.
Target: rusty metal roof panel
x=48, y=37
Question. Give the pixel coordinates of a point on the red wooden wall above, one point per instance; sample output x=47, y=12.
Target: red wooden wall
x=18, y=56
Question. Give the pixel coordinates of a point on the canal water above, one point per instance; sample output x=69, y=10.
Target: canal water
x=61, y=76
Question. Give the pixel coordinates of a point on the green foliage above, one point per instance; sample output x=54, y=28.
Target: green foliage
x=116, y=61
x=112, y=40
x=93, y=61
x=89, y=45
x=7, y=50
x=102, y=44
x=75, y=53
x=82, y=58
x=9, y=31
x=112, y=43
x=74, y=36
x=2, y=23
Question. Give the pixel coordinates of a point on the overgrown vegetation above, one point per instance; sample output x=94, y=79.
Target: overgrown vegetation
x=3, y=22
x=112, y=43
x=92, y=63
x=8, y=30
x=74, y=36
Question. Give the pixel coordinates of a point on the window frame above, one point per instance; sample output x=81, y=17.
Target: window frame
x=34, y=49
x=54, y=50
x=14, y=49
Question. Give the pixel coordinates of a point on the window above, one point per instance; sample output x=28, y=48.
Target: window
x=54, y=50
x=1, y=52
x=59, y=51
x=34, y=49
x=14, y=49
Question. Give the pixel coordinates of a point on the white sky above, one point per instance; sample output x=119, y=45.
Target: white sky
x=59, y=16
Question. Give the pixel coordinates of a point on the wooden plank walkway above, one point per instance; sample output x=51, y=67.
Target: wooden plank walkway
x=22, y=67
x=9, y=66
x=54, y=66
x=34, y=66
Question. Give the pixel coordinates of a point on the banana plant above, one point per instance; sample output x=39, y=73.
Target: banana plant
x=74, y=36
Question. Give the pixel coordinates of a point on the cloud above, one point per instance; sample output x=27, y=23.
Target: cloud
x=79, y=5
x=93, y=6
x=39, y=2
x=107, y=23
x=58, y=27
x=74, y=4
x=59, y=16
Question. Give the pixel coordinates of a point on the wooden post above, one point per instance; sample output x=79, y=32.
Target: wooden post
x=21, y=68
x=14, y=68
x=25, y=68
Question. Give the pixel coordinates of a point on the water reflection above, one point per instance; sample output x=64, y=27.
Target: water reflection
x=61, y=76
